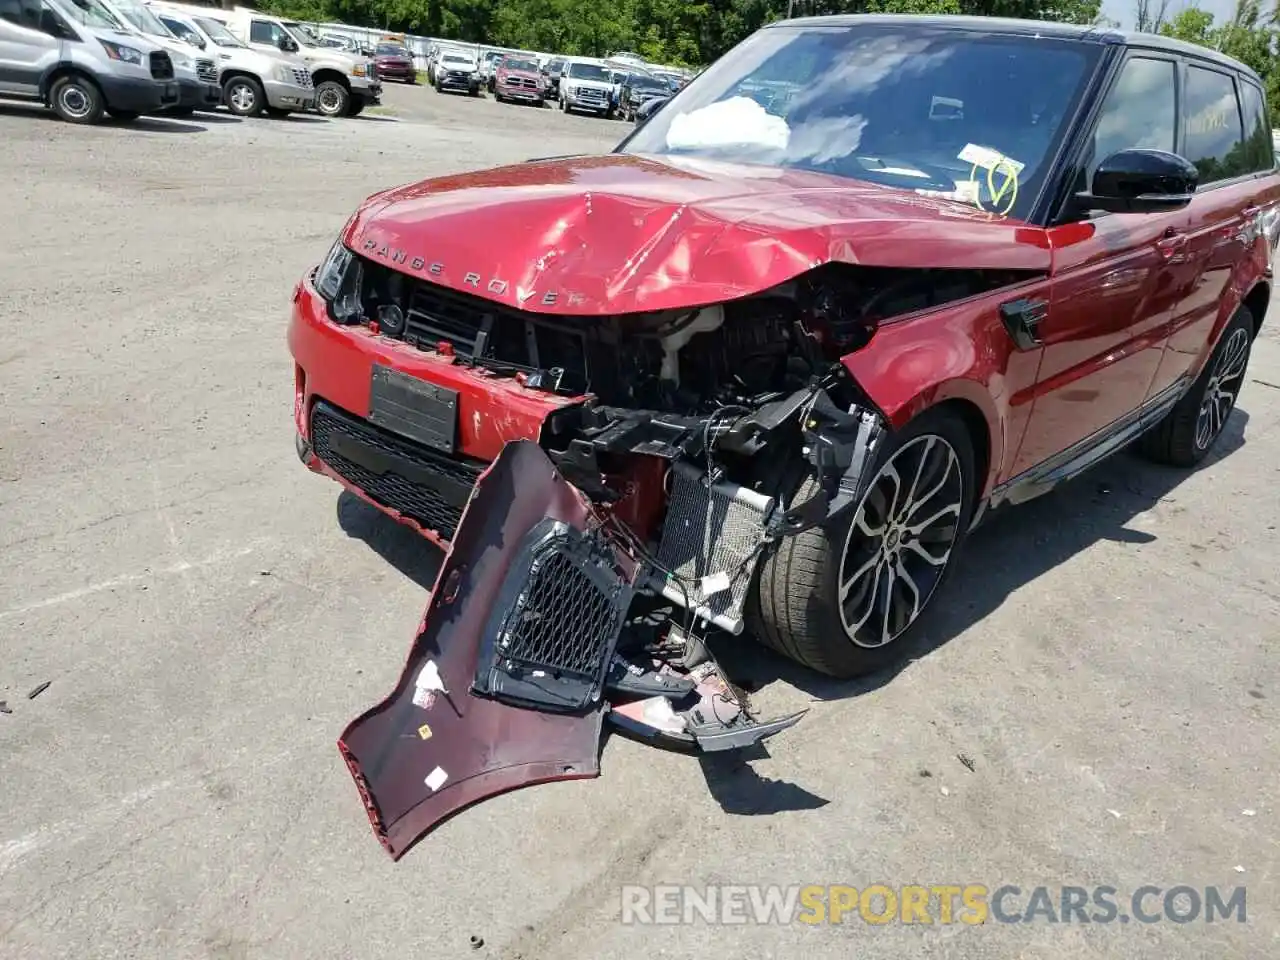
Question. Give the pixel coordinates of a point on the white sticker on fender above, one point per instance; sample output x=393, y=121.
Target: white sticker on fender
x=435, y=779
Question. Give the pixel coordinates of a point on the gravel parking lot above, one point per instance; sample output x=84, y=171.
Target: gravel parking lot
x=1096, y=702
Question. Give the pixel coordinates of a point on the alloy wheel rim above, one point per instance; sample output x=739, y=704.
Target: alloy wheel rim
x=74, y=101
x=242, y=97
x=1221, y=390
x=900, y=541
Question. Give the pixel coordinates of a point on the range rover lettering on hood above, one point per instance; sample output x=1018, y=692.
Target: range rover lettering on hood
x=494, y=285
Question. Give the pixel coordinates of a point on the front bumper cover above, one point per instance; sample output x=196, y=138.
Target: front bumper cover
x=526, y=647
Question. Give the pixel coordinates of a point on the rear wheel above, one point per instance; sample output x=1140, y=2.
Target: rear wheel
x=1188, y=432
x=76, y=99
x=841, y=598
x=332, y=99
x=244, y=96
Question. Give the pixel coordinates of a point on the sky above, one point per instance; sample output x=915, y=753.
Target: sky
x=1122, y=10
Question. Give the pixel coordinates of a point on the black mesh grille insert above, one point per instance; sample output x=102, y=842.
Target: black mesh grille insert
x=561, y=621
x=421, y=484
x=556, y=623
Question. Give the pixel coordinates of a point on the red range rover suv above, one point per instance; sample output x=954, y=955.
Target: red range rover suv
x=764, y=366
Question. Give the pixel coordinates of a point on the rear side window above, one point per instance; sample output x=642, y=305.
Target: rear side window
x=25, y=13
x=1258, y=151
x=262, y=32
x=1140, y=110
x=1213, y=134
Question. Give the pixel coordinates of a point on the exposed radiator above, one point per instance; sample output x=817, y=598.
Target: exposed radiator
x=709, y=540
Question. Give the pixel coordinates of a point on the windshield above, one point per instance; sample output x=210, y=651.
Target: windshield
x=391, y=50
x=526, y=65
x=143, y=19
x=455, y=58
x=588, y=71
x=218, y=33
x=968, y=116
x=302, y=33
x=639, y=81
x=91, y=13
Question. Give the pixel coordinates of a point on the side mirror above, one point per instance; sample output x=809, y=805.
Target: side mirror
x=287, y=44
x=1141, y=181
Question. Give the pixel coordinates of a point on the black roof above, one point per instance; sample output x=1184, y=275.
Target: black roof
x=1030, y=28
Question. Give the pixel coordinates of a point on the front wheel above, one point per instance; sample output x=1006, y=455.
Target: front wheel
x=244, y=97
x=840, y=599
x=332, y=99
x=77, y=99
x=1187, y=433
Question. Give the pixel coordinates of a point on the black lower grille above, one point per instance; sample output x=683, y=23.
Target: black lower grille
x=161, y=66
x=556, y=623
x=419, y=483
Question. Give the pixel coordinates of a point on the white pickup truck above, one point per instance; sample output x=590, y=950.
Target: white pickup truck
x=252, y=81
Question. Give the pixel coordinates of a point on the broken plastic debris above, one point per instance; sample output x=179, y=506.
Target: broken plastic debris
x=4, y=707
x=946, y=792
x=435, y=779
x=1114, y=813
x=1248, y=813
x=429, y=678
x=39, y=690
x=1239, y=868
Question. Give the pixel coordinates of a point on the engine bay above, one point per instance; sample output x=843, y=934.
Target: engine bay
x=691, y=362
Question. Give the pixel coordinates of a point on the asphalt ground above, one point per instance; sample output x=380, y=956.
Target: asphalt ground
x=1095, y=700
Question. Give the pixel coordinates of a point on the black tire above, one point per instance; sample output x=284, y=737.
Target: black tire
x=564, y=105
x=124, y=116
x=244, y=96
x=1188, y=432
x=795, y=606
x=76, y=99
x=332, y=99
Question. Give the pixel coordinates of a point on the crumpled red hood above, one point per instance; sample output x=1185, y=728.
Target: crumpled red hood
x=620, y=233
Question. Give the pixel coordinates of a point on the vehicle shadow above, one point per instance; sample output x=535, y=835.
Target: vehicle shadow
x=215, y=118
x=403, y=548
x=157, y=125
x=1009, y=550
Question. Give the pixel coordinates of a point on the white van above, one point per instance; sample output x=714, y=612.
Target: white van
x=253, y=81
x=76, y=57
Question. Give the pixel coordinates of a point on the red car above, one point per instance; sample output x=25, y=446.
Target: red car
x=394, y=62
x=763, y=368
x=518, y=78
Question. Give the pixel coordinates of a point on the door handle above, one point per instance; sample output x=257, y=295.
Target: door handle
x=1171, y=244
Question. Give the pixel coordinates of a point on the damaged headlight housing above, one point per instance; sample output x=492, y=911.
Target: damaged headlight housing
x=337, y=281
